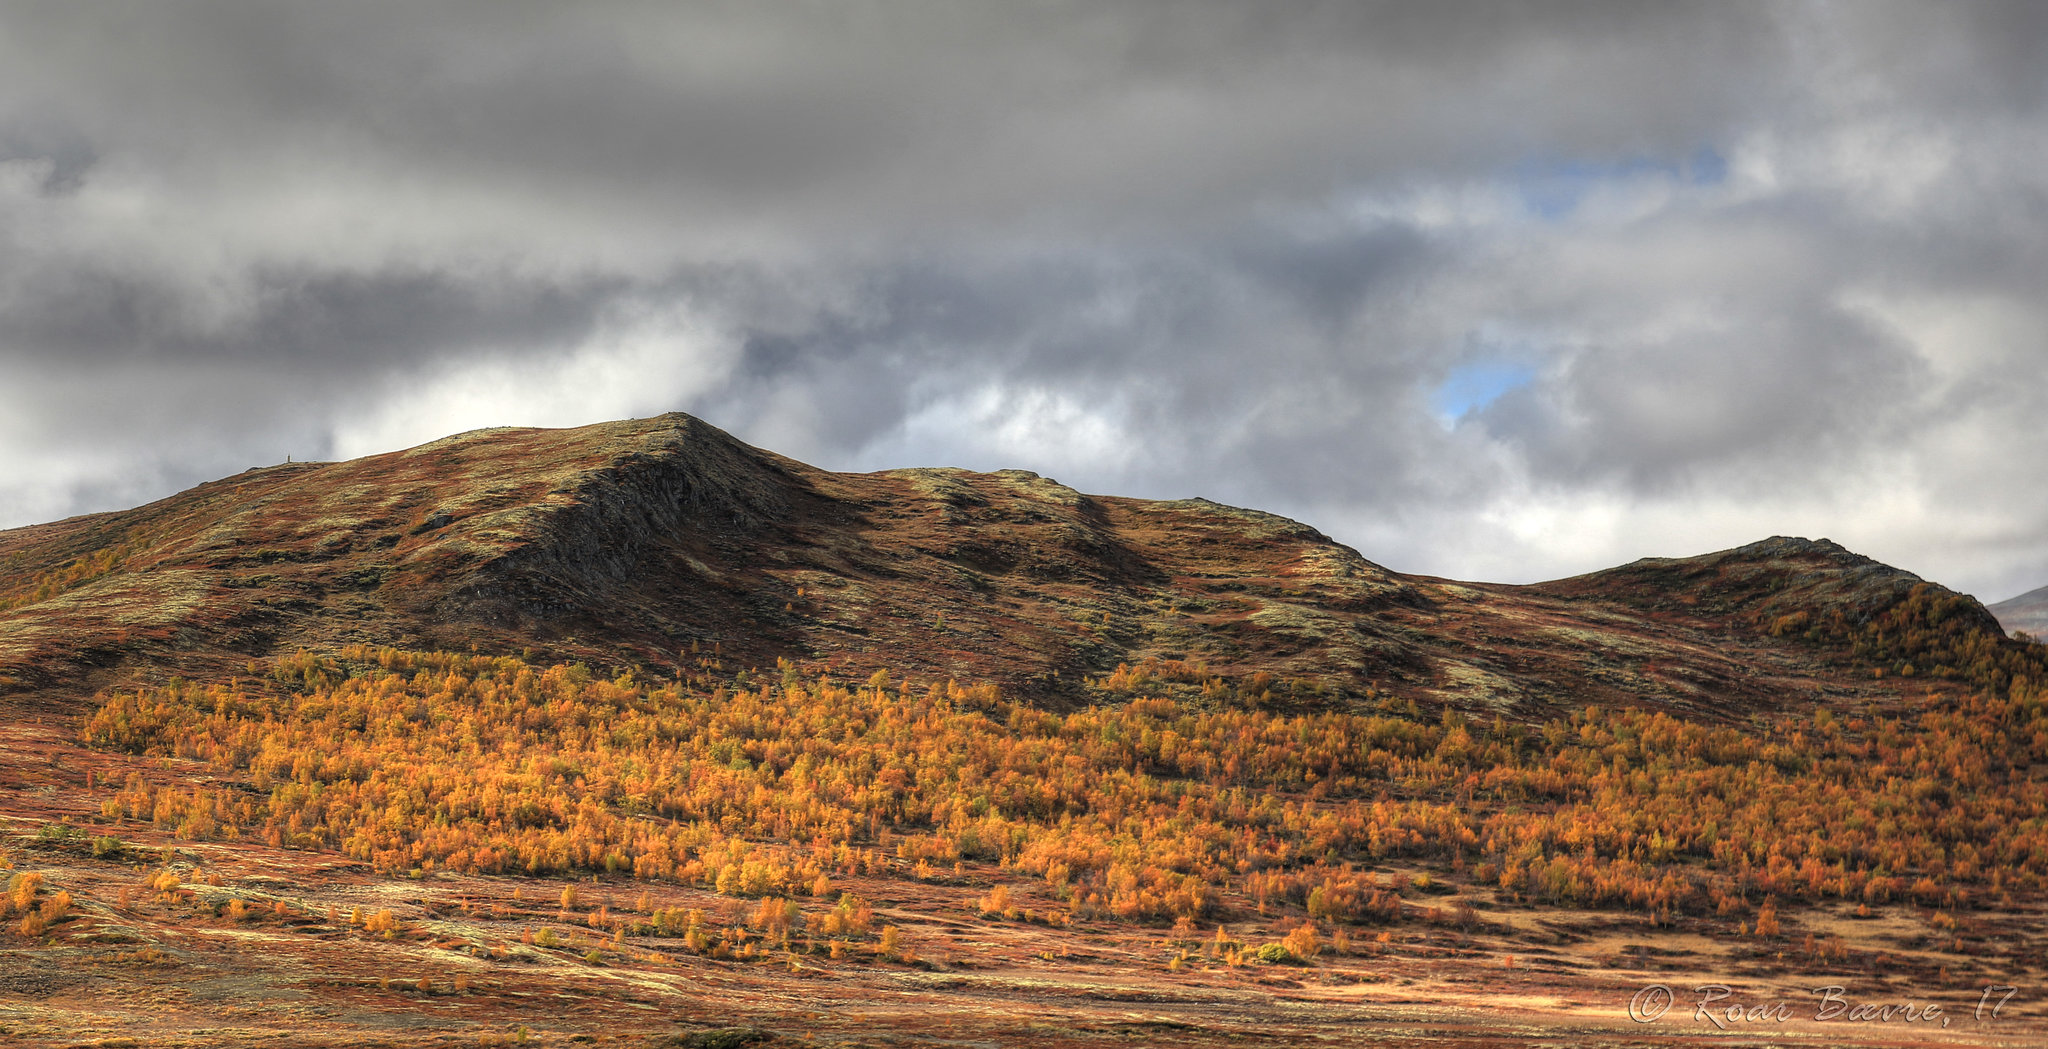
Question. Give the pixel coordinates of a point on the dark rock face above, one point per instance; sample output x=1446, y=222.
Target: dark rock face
x=637, y=542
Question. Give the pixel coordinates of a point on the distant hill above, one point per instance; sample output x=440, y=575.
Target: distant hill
x=649, y=543
x=2027, y=612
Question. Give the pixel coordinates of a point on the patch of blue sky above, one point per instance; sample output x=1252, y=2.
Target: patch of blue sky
x=1706, y=167
x=1554, y=189
x=1471, y=387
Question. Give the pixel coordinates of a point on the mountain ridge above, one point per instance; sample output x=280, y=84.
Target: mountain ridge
x=648, y=542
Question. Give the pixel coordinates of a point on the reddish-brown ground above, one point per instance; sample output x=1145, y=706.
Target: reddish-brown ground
x=151, y=972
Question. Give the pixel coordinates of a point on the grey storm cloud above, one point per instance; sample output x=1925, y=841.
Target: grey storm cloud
x=1485, y=289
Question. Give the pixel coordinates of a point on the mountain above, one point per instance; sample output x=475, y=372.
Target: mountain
x=256, y=789
x=2027, y=613
x=649, y=542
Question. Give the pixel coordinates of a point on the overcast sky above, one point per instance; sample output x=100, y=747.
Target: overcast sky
x=1497, y=291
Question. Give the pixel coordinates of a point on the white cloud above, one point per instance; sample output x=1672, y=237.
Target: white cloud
x=640, y=362
x=995, y=426
x=1217, y=253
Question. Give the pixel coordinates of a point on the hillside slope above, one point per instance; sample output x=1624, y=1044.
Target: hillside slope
x=2027, y=613
x=657, y=542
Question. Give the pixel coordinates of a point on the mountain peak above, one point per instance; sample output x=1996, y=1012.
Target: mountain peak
x=1795, y=546
x=1769, y=580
